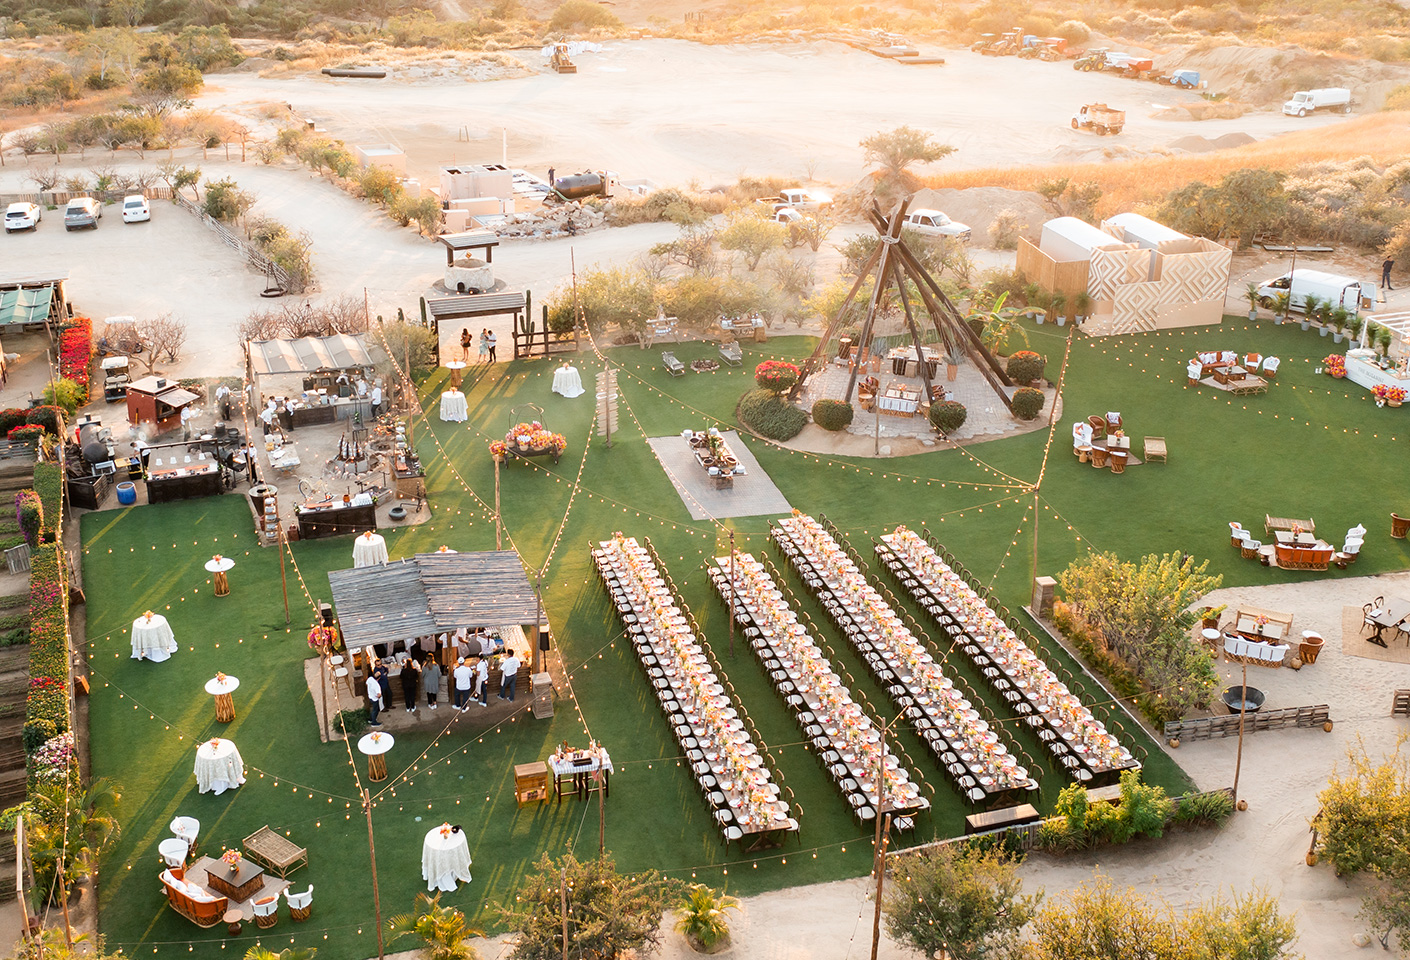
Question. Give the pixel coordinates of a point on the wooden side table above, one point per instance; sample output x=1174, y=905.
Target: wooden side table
x=530, y=782
x=232, y=922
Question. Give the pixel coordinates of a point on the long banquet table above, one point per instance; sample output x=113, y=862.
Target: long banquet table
x=1077, y=739
x=844, y=738
x=983, y=767
x=726, y=763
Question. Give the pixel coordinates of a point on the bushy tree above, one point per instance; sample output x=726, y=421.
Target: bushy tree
x=958, y=901
x=1365, y=819
x=619, y=295
x=574, y=15
x=897, y=150
x=608, y=913
x=1131, y=604
x=225, y=201
x=750, y=232
x=442, y=930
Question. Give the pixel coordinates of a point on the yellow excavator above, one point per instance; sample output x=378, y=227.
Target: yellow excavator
x=560, y=61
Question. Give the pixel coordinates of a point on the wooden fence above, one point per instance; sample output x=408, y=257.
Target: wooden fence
x=543, y=343
x=252, y=256
x=1210, y=728
x=59, y=198
x=1400, y=704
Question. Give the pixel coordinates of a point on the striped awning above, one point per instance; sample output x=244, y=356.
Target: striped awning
x=311, y=354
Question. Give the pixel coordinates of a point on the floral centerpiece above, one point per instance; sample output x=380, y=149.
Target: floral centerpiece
x=323, y=638
x=529, y=437
x=1335, y=365
x=445, y=830
x=1384, y=393
x=231, y=858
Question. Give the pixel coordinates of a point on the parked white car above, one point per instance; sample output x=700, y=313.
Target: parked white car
x=933, y=223
x=22, y=216
x=136, y=209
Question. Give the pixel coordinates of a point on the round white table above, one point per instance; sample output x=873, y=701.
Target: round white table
x=455, y=366
x=453, y=408
x=221, y=687
x=152, y=638
x=445, y=859
x=369, y=549
x=374, y=746
x=566, y=381
x=218, y=767
x=219, y=566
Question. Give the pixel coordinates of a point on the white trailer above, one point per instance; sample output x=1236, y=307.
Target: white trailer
x=1342, y=291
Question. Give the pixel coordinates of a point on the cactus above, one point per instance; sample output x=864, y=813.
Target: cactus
x=424, y=321
x=528, y=303
x=401, y=317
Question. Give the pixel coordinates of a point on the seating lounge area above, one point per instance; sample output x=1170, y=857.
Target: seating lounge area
x=1295, y=546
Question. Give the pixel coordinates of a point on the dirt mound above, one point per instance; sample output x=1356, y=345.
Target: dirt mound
x=978, y=206
x=1269, y=75
x=1204, y=110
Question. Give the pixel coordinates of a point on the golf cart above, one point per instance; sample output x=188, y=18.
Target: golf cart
x=115, y=378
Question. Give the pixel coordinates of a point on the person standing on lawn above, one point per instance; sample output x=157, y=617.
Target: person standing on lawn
x=410, y=683
x=431, y=681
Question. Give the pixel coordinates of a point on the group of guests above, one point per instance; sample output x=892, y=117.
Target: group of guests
x=421, y=672
x=488, y=342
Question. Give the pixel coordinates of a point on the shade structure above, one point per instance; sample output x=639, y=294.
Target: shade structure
x=432, y=593
x=309, y=354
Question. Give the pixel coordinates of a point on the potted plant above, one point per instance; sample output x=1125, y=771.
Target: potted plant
x=1058, y=306
x=1209, y=616
x=1336, y=319
x=1334, y=365
x=1036, y=296
x=1282, y=303
x=1251, y=295
x=702, y=918
x=1383, y=339
x=1322, y=315
x=1082, y=306
x=952, y=365
x=1309, y=308
x=1354, y=323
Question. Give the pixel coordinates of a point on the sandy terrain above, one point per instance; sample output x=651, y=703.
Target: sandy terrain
x=673, y=111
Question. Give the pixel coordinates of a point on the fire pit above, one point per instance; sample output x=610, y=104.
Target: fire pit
x=1247, y=699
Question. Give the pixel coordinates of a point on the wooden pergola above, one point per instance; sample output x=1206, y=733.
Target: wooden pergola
x=481, y=239
x=892, y=263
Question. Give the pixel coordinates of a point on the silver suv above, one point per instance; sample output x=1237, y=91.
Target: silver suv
x=82, y=212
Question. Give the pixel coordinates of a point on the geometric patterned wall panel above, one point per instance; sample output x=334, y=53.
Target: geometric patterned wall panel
x=1110, y=269
x=1199, y=276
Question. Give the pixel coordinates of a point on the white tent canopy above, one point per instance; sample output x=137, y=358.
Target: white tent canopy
x=310, y=354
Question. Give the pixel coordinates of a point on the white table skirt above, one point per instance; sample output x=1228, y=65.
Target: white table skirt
x=568, y=382
x=898, y=404
x=369, y=551
x=445, y=860
x=152, y=639
x=453, y=407
x=563, y=768
x=219, y=769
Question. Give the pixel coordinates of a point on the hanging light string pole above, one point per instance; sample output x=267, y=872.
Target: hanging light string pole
x=1239, y=757
x=283, y=578
x=1047, y=449
x=883, y=832
x=372, y=853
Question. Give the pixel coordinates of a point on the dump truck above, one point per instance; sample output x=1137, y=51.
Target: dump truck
x=1100, y=119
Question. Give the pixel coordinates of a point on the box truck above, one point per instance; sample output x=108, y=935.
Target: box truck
x=1338, y=290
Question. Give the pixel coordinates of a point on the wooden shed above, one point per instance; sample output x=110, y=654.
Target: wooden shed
x=158, y=401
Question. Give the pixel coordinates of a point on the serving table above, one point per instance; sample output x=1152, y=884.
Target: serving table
x=453, y=407
x=369, y=550
x=219, y=567
x=152, y=638
x=375, y=746
x=219, y=767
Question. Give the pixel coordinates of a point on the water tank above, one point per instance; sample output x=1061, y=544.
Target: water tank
x=581, y=185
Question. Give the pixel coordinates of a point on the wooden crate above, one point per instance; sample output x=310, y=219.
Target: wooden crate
x=543, y=695
x=531, y=782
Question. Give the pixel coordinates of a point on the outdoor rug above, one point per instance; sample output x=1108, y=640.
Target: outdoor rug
x=1356, y=643
x=753, y=495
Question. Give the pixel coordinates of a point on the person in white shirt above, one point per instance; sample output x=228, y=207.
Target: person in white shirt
x=509, y=673
x=377, y=400
x=187, y=415
x=463, y=675
x=482, y=680
x=375, y=702
x=267, y=417
x=487, y=645
x=491, y=340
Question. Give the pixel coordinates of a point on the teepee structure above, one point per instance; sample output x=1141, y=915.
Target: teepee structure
x=893, y=263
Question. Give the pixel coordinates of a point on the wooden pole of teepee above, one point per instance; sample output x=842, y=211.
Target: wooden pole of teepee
x=888, y=240
x=820, y=350
x=899, y=280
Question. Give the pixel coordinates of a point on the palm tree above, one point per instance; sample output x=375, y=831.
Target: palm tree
x=288, y=953
x=702, y=915
x=73, y=828
x=442, y=929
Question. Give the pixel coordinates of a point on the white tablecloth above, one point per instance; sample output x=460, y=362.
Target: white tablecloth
x=564, y=768
x=218, y=768
x=899, y=404
x=444, y=860
x=568, y=382
x=215, y=686
x=453, y=407
x=369, y=551
x=152, y=639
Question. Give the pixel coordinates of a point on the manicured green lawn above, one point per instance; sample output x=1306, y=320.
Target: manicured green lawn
x=1284, y=453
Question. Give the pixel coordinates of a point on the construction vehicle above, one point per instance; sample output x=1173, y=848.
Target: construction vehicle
x=1100, y=119
x=1092, y=60
x=560, y=61
x=1031, y=47
x=1052, y=48
x=1185, y=78
x=1009, y=43
x=985, y=40
x=1310, y=101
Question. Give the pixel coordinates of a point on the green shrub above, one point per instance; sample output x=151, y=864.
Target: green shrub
x=12, y=418
x=947, y=416
x=352, y=721
x=47, y=706
x=576, y=15
x=776, y=375
x=1025, y=366
x=832, y=414
x=49, y=484
x=1028, y=403
x=29, y=511
x=1072, y=807
x=1053, y=835
x=1210, y=809
x=35, y=734
x=769, y=415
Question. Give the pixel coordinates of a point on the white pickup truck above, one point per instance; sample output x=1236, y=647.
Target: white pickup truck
x=1310, y=101
x=810, y=201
